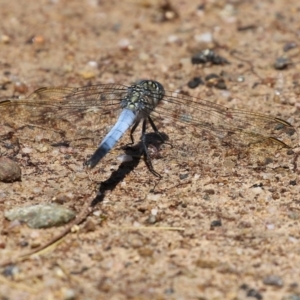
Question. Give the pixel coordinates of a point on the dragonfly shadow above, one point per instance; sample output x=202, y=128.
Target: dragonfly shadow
x=153, y=141
x=115, y=178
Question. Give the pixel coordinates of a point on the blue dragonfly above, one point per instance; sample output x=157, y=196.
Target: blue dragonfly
x=145, y=102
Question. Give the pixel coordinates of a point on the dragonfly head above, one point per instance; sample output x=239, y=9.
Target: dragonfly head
x=143, y=96
x=152, y=87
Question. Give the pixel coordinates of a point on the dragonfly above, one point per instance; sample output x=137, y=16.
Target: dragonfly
x=145, y=102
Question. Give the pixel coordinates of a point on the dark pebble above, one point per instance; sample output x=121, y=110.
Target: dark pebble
x=195, y=82
x=215, y=223
x=208, y=55
x=169, y=291
x=250, y=292
x=244, y=286
x=289, y=46
x=281, y=63
x=221, y=85
x=256, y=185
x=294, y=285
x=254, y=293
x=23, y=243
x=268, y=160
x=209, y=191
x=183, y=176
x=9, y=170
x=10, y=270
x=214, y=80
x=201, y=6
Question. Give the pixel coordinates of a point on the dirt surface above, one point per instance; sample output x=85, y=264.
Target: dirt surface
x=215, y=226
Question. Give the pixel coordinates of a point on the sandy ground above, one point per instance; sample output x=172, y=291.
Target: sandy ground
x=151, y=238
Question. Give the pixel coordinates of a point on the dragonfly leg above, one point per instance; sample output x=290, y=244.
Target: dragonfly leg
x=147, y=157
x=155, y=129
x=135, y=125
x=163, y=140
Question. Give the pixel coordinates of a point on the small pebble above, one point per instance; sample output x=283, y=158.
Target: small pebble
x=208, y=55
x=204, y=38
x=20, y=87
x=254, y=294
x=42, y=148
x=90, y=225
x=294, y=285
x=281, y=63
x=97, y=213
x=86, y=74
x=92, y=64
x=195, y=82
x=10, y=270
x=5, y=39
x=274, y=280
x=35, y=244
x=9, y=170
x=173, y=38
x=152, y=219
x=23, y=243
x=59, y=273
x=183, y=176
x=41, y=215
x=240, y=78
x=214, y=80
x=270, y=226
x=250, y=292
x=75, y=228
x=145, y=252
x=37, y=190
x=215, y=223
x=62, y=198
x=289, y=46
x=89, y=71
x=154, y=211
x=68, y=294
x=124, y=44
x=26, y=150
x=144, y=56
x=38, y=39
x=209, y=191
x=2, y=245
x=14, y=226
x=292, y=297
x=169, y=291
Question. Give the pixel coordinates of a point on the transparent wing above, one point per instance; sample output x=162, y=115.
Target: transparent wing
x=238, y=126
x=64, y=102
x=89, y=112
x=203, y=133
x=73, y=112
